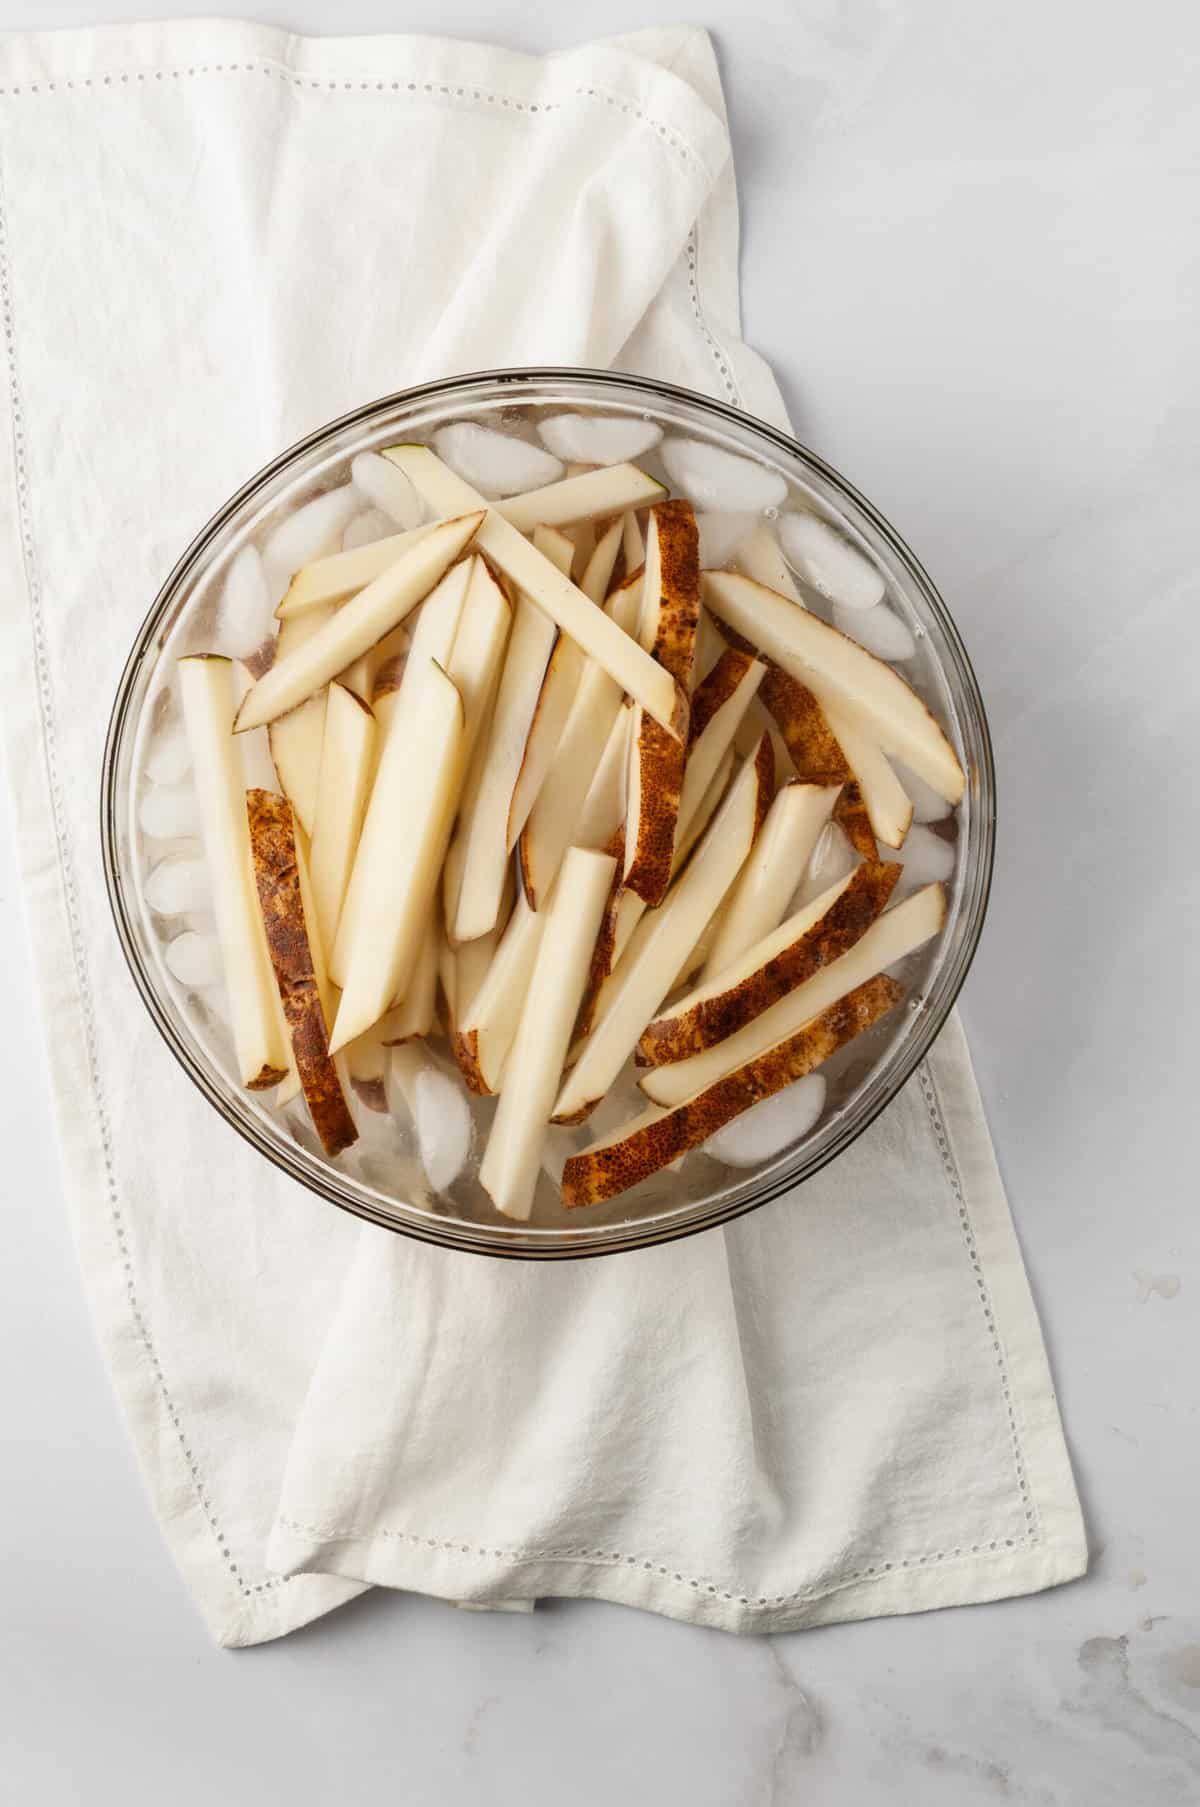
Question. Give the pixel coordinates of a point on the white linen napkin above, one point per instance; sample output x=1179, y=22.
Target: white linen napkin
x=212, y=238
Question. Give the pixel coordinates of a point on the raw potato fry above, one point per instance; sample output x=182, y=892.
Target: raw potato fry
x=593, y=631
x=358, y=625
x=347, y=761
x=432, y=641
x=812, y=745
x=600, y=492
x=603, y=808
x=340, y=575
x=670, y=617
x=553, y=706
x=786, y=958
x=896, y=933
x=658, y=1137
x=602, y=563
x=776, y=865
x=565, y=811
x=718, y=709
x=447, y=972
x=366, y=1063
x=710, y=648
x=484, y=1037
x=633, y=546
x=883, y=798
x=642, y=977
x=295, y=740
x=471, y=962
x=488, y=793
x=627, y=908
x=413, y=1015
x=512, y=1159
x=478, y=649
x=817, y=754
x=401, y=850
x=814, y=652
x=276, y=869
x=260, y=1038
x=379, y=672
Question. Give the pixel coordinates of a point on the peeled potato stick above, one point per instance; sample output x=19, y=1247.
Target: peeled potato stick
x=600, y=492
x=512, y=1159
x=400, y=853
x=593, y=631
x=773, y=872
x=347, y=760
x=642, y=976
x=358, y=625
x=261, y=1044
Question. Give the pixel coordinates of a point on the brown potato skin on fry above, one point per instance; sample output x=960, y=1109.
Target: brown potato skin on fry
x=850, y=814
x=662, y=753
x=672, y=1038
x=810, y=740
x=715, y=690
x=277, y=879
x=598, y=1174
x=816, y=752
x=464, y=1045
x=764, y=769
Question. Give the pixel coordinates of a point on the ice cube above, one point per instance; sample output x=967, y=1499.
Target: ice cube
x=767, y=1128
x=829, y=563
x=244, y=611
x=926, y=858
x=879, y=629
x=169, y=812
x=712, y=478
x=833, y=858
x=927, y=805
x=598, y=438
x=176, y=886
x=387, y=489
x=313, y=531
x=497, y=464
x=367, y=527
x=443, y=1124
x=169, y=758
x=722, y=533
x=195, y=960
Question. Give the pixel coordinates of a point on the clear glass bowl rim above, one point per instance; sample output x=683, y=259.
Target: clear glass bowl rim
x=452, y=1233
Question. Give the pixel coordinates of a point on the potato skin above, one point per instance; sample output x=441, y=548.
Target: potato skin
x=672, y=1038
x=662, y=754
x=603, y=1171
x=277, y=880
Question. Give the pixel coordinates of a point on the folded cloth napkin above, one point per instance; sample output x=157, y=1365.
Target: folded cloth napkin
x=215, y=236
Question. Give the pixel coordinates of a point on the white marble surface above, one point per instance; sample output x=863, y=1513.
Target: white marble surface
x=971, y=254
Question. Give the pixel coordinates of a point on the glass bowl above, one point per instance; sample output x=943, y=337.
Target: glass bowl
x=373, y=1179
